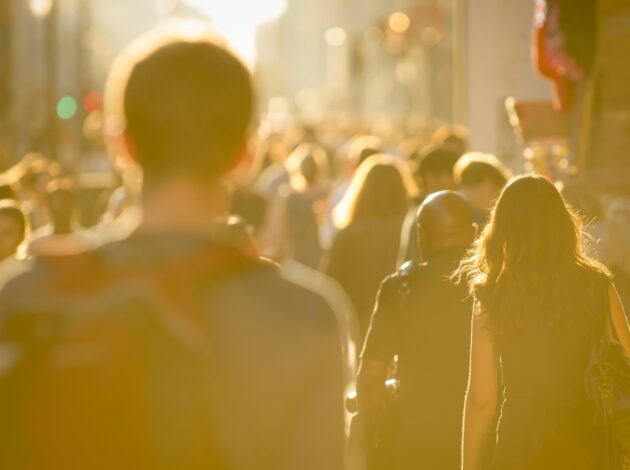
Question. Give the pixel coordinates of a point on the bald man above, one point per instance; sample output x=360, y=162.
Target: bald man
x=424, y=319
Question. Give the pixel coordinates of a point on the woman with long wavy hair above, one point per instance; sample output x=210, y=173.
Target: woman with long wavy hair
x=539, y=298
x=370, y=218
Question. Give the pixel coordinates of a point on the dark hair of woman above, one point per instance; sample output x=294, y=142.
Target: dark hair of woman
x=308, y=165
x=531, y=258
x=380, y=189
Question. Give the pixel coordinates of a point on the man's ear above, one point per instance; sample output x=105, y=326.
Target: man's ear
x=129, y=147
x=122, y=151
x=242, y=157
x=240, y=168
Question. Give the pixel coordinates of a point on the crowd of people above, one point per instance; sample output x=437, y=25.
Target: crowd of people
x=214, y=317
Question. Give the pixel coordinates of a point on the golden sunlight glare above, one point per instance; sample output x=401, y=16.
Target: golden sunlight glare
x=237, y=20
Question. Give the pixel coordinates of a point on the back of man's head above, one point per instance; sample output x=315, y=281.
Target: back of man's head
x=445, y=220
x=61, y=198
x=185, y=104
x=474, y=169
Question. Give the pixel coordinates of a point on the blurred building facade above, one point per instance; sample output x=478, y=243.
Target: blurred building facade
x=454, y=61
x=495, y=42
x=5, y=80
x=437, y=58
x=54, y=53
x=345, y=55
x=46, y=64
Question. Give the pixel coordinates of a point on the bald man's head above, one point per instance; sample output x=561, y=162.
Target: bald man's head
x=445, y=220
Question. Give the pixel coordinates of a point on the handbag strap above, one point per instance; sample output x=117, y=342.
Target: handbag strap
x=601, y=306
x=599, y=338
x=405, y=273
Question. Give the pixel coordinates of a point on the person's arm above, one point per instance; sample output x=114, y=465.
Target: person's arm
x=335, y=261
x=371, y=388
x=481, y=397
x=379, y=349
x=619, y=320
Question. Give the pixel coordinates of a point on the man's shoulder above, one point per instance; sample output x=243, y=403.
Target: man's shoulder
x=240, y=284
x=25, y=283
x=40, y=275
x=303, y=295
x=410, y=279
x=274, y=281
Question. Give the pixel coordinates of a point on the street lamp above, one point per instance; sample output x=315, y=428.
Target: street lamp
x=40, y=8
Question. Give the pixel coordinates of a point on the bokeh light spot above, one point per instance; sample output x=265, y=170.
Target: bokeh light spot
x=399, y=22
x=40, y=8
x=335, y=37
x=67, y=107
x=93, y=102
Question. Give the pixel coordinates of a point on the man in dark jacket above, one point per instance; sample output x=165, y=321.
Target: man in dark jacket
x=182, y=108
x=424, y=319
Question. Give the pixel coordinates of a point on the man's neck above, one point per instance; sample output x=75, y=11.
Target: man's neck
x=182, y=206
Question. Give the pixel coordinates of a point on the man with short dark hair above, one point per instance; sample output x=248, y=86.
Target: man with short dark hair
x=182, y=108
x=13, y=228
x=424, y=319
x=480, y=178
x=435, y=169
x=63, y=235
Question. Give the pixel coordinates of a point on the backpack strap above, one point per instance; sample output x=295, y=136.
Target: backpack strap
x=405, y=273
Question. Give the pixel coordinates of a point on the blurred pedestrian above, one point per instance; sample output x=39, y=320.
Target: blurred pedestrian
x=370, y=218
x=452, y=137
x=480, y=177
x=13, y=231
x=273, y=173
x=13, y=228
x=62, y=235
x=360, y=148
x=296, y=215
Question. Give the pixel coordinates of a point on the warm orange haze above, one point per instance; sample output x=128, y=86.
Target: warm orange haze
x=314, y=235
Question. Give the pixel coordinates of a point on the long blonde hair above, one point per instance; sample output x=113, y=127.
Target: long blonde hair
x=382, y=187
x=531, y=258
